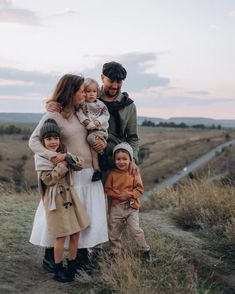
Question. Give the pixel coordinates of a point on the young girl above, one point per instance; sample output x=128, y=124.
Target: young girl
x=125, y=189
x=94, y=115
x=65, y=214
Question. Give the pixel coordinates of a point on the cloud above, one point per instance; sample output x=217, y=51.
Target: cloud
x=214, y=27
x=19, y=82
x=138, y=66
x=9, y=14
x=199, y=92
x=66, y=11
x=176, y=101
x=231, y=13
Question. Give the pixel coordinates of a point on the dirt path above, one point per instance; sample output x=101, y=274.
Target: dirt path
x=209, y=263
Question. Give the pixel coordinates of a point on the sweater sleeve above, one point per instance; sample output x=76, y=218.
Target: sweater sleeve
x=52, y=177
x=81, y=115
x=104, y=117
x=35, y=144
x=108, y=187
x=138, y=188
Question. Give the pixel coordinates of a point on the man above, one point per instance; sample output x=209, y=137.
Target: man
x=123, y=117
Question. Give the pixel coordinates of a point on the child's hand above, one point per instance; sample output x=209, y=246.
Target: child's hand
x=124, y=196
x=97, y=123
x=58, y=158
x=86, y=122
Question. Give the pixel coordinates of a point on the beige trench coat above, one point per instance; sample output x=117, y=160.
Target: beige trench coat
x=64, y=211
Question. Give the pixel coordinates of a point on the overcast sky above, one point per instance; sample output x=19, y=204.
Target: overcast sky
x=179, y=54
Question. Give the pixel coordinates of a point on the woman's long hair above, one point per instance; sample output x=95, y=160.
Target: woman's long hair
x=65, y=89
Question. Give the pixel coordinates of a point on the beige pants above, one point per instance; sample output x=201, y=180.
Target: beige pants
x=121, y=216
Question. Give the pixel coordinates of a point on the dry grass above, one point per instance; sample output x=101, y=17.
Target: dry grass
x=169, y=151
x=200, y=205
x=170, y=271
x=172, y=149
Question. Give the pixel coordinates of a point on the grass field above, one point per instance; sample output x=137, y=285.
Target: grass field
x=167, y=151
x=21, y=271
x=202, y=206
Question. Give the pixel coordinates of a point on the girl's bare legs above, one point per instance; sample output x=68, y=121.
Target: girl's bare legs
x=73, y=246
x=61, y=273
x=59, y=249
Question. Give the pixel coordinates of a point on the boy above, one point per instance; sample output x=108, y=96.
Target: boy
x=125, y=189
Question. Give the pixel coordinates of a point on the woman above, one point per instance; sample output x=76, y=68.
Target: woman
x=69, y=92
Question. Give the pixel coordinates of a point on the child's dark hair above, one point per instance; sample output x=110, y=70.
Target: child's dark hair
x=61, y=147
x=51, y=129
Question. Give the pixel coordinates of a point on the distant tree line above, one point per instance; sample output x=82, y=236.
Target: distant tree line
x=12, y=129
x=149, y=123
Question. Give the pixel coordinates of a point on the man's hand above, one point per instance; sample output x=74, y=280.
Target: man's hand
x=59, y=158
x=53, y=106
x=99, y=145
x=133, y=168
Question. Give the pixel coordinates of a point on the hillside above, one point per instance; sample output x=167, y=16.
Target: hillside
x=189, y=227
x=35, y=117
x=164, y=151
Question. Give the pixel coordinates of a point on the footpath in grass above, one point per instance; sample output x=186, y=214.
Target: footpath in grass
x=200, y=215
x=21, y=270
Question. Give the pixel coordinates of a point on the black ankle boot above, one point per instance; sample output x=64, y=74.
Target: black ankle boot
x=48, y=259
x=73, y=268
x=61, y=274
x=83, y=260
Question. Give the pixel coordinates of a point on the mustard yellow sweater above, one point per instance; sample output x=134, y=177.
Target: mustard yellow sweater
x=122, y=181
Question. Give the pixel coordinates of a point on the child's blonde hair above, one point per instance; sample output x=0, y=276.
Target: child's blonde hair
x=89, y=81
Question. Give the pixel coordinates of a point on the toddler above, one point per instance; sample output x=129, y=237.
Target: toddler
x=125, y=189
x=94, y=115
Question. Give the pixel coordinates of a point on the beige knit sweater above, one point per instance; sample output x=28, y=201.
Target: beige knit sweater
x=73, y=136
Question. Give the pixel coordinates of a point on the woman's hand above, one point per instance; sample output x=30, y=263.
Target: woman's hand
x=133, y=168
x=58, y=158
x=53, y=106
x=99, y=145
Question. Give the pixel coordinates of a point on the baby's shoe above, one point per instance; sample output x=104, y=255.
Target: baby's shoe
x=97, y=175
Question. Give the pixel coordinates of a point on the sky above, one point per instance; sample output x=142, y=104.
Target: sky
x=179, y=54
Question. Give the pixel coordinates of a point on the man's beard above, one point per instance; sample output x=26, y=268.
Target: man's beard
x=107, y=93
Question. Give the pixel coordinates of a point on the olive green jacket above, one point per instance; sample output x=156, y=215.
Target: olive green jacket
x=128, y=118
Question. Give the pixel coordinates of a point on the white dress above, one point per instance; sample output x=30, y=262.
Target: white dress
x=90, y=193
x=92, y=196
